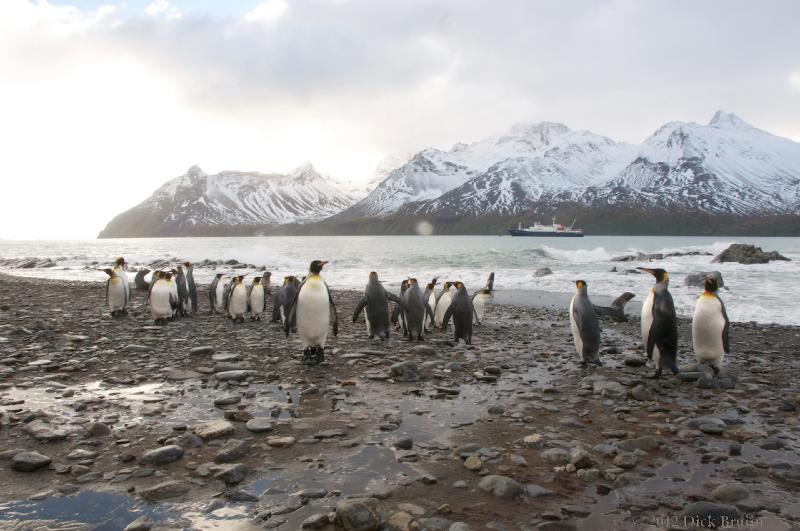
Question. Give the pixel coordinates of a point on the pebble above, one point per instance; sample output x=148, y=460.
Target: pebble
x=29, y=461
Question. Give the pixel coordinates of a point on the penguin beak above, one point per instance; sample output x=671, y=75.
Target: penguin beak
x=648, y=270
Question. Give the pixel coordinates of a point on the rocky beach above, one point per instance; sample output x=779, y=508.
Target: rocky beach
x=202, y=424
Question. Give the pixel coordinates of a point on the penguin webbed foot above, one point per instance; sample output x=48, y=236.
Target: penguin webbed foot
x=715, y=369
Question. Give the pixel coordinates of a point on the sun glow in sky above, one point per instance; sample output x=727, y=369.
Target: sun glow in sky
x=101, y=102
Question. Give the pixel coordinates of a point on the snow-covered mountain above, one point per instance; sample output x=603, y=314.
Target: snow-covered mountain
x=196, y=203
x=724, y=167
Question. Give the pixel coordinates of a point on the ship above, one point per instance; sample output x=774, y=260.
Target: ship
x=555, y=230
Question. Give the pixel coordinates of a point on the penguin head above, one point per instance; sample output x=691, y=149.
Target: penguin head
x=373, y=275
x=219, y=275
x=412, y=282
x=659, y=274
x=187, y=265
x=120, y=261
x=459, y=285
x=710, y=284
x=173, y=271
x=581, y=285
x=256, y=280
x=447, y=285
x=167, y=275
x=316, y=267
x=266, y=275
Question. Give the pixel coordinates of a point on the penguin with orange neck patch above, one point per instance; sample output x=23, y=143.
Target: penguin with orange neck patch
x=710, y=327
x=312, y=311
x=116, y=294
x=462, y=311
x=660, y=324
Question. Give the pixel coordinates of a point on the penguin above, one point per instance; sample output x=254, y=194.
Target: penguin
x=215, y=292
x=710, y=327
x=376, y=300
x=161, y=298
x=659, y=324
x=617, y=309
x=585, y=326
x=139, y=283
x=266, y=281
x=184, y=304
x=283, y=300
x=462, y=311
x=430, y=297
x=173, y=284
x=237, y=300
x=313, y=310
x=119, y=269
x=481, y=298
x=442, y=303
x=191, y=285
x=396, y=317
x=116, y=295
x=414, y=311
x=258, y=299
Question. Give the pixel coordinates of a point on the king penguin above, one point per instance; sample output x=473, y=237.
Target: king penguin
x=161, y=298
x=191, y=285
x=462, y=311
x=710, y=326
x=414, y=311
x=237, y=300
x=258, y=300
x=116, y=294
x=313, y=310
x=585, y=326
x=283, y=300
x=376, y=300
x=215, y=292
x=397, y=318
x=442, y=304
x=140, y=283
x=660, y=325
x=119, y=269
x=184, y=304
x=481, y=298
x=430, y=297
x=173, y=284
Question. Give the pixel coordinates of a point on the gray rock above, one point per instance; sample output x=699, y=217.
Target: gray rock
x=227, y=400
x=164, y=490
x=698, y=279
x=542, y=272
x=634, y=360
x=198, y=351
x=259, y=425
x=213, y=429
x=646, y=443
x=230, y=474
x=189, y=440
x=315, y=521
x=537, y=491
x=642, y=394
x=747, y=254
x=405, y=371
x=713, y=515
x=97, y=429
x=237, y=375
x=142, y=523
x=730, y=493
x=556, y=456
x=501, y=486
x=626, y=460
x=580, y=458
x=233, y=450
x=404, y=443
x=163, y=455
x=181, y=374
x=359, y=514
x=29, y=461
x=45, y=432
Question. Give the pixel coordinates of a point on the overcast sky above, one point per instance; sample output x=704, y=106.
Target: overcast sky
x=101, y=102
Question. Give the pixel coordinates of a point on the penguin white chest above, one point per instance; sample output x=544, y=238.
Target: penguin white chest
x=313, y=313
x=441, y=308
x=647, y=323
x=160, y=307
x=257, y=299
x=238, y=303
x=576, y=333
x=116, y=295
x=707, y=326
x=479, y=304
x=432, y=301
x=219, y=297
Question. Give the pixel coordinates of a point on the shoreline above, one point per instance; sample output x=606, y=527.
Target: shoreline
x=487, y=435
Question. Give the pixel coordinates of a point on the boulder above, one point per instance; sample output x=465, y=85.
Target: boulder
x=29, y=461
x=359, y=514
x=163, y=455
x=164, y=490
x=698, y=279
x=213, y=429
x=747, y=254
x=501, y=486
x=543, y=272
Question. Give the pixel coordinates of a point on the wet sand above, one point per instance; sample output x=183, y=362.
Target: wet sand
x=508, y=434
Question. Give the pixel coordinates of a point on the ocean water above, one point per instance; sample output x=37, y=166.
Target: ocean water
x=765, y=293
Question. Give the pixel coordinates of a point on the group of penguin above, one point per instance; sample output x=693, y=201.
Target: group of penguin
x=710, y=325
x=307, y=308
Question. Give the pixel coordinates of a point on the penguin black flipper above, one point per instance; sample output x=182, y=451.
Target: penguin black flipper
x=333, y=311
x=428, y=310
x=447, y=314
x=394, y=298
x=726, y=343
x=276, y=306
x=359, y=308
x=663, y=332
x=490, y=281
x=226, y=296
x=290, y=319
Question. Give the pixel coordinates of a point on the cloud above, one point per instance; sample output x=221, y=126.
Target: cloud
x=141, y=95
